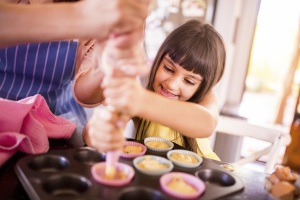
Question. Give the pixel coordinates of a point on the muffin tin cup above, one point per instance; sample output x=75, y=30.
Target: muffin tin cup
x=88, y=156
x=139, y=192
x=215, y=177
x=66, y=174
x=66, y=185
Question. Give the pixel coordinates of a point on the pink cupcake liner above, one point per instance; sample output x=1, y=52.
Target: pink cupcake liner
x=98, y=172
x=188, y=178
x=130, y=143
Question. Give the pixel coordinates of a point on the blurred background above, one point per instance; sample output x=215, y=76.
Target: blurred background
x=262, y=76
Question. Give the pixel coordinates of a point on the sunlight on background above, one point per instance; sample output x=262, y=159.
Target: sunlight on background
x=274, y=41
x=271, y=55
x=274, y=45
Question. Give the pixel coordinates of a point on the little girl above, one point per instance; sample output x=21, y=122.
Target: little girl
x=178, y=103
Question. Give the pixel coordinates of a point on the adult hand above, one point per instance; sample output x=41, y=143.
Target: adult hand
x=113, y=16
x=105, y=130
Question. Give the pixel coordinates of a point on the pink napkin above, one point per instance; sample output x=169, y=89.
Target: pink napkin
x=26, y=125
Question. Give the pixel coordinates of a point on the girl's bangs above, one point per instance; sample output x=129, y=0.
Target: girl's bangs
x=190, y=58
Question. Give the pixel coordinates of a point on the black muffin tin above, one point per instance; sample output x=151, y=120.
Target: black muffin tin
x=66, y=175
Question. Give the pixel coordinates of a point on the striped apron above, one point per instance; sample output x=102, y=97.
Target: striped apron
x=42, y=68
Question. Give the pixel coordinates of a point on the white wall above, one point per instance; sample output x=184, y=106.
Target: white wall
x=235, y=20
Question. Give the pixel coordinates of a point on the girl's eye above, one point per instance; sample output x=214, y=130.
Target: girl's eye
x=168, y=69
x=189, y=82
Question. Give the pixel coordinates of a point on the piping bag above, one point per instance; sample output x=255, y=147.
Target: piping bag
x=108, y=64
x=112, y=157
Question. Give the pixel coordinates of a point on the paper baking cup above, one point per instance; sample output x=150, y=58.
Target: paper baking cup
x=188, y=178
x=130, y=143
x=168, y=142
x=160, y=159
x=184, y=164
x=98, y=172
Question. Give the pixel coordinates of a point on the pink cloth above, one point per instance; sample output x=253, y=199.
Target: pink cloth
x=27, y=124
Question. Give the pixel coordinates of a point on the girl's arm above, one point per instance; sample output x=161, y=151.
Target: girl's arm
x=83, y=19
x=190, y=119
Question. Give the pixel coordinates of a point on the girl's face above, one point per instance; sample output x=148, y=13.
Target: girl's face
x=174, y=82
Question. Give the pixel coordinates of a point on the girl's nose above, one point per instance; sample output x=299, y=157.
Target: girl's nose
x=173, y=83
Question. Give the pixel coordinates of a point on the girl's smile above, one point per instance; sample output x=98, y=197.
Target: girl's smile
x=164, y=92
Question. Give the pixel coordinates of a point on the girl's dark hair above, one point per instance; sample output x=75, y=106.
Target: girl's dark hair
x=199, y=48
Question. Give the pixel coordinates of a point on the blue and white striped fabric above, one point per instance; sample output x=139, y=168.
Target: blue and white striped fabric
x=42, y=68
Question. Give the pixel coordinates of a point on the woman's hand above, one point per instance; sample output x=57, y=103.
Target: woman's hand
x=104, y=130
x=95, y=19
x=102, y=17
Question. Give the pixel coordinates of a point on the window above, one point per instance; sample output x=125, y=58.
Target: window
x=271, y=85
x=262, y=79
x=166, y=15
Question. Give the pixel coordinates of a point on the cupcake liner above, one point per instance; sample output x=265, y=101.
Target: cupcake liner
x=98, y=172
x=153, y=172
x=189, y=179
x=134, y=155
x=182, y=163
x=168, y=142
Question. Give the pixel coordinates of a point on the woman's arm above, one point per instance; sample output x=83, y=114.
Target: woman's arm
x=83, y=19
x=87, y=90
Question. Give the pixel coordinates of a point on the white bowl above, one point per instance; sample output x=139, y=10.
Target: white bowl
x=182, y=163
x=153, y=171
x=168, y=142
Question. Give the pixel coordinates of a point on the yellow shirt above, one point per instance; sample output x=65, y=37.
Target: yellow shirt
x=157, y=130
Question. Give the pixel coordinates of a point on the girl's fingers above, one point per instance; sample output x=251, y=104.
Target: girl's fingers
x=116, y=97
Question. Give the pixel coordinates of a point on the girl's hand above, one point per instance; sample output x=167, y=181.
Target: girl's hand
x=105, y=130
x=124, y=93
